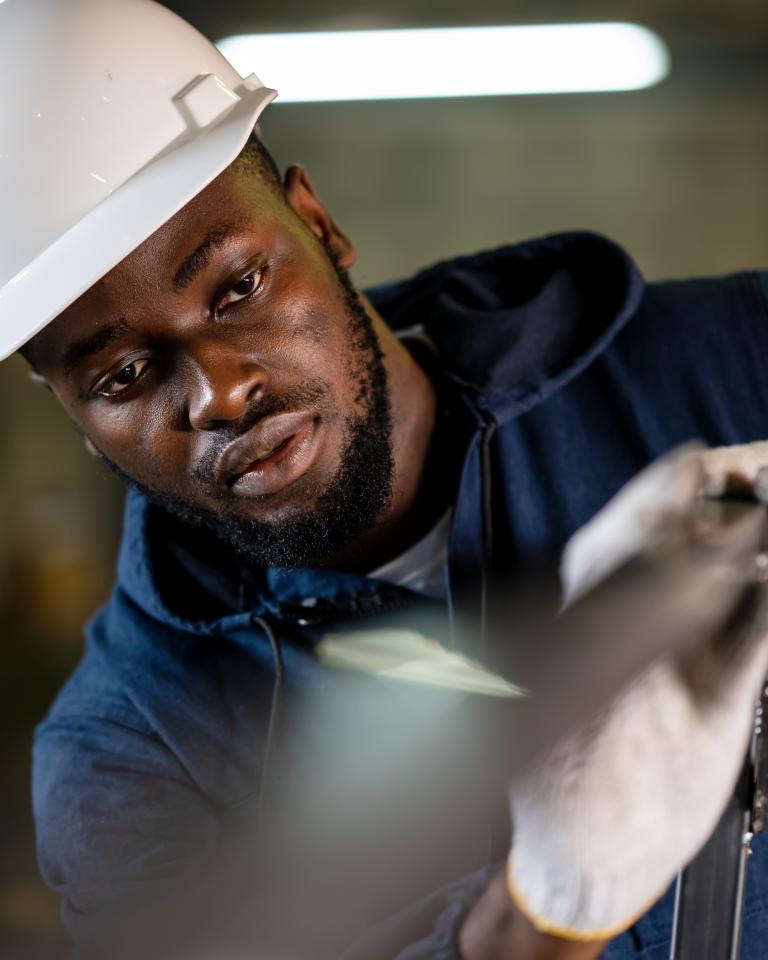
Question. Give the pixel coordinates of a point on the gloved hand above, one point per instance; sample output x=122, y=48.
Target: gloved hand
x=604, y=821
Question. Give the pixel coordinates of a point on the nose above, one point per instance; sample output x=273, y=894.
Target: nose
x=223, y=388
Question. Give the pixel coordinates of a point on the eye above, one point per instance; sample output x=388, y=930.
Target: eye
x=124, y=378
x=244, y=288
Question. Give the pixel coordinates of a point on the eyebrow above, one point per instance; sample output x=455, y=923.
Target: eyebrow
x=82, y=349
x=201, y=256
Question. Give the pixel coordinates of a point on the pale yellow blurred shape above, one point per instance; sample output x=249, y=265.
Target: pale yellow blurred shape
x=409, y=656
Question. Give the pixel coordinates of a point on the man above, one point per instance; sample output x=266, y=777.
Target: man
x=295, y=469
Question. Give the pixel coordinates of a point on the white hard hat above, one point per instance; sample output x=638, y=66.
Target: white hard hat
x=115, y=113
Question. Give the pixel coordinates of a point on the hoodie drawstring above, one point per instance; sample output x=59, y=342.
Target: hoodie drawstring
x=486, y=566
x=498, y=834
x=274, y=708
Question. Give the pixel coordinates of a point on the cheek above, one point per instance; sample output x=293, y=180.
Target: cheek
x=309, y=340
x=137, y=439
x=306, y=295
x=301, y=305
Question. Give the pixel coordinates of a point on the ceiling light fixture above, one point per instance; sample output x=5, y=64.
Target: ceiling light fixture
x=451, y=62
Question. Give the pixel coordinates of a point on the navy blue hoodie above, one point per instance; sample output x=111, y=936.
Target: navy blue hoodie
x=566, y=374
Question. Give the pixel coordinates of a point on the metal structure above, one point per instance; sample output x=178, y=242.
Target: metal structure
x=709, y=899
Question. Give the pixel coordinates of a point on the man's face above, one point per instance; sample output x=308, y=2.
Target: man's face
x=227, y=368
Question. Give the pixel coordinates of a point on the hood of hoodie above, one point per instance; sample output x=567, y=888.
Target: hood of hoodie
x=514, y=325
x=510, y=326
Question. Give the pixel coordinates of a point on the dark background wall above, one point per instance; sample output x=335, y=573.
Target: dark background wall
x=677, y=173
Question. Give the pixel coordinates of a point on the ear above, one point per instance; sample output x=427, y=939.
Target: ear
x=306, y=204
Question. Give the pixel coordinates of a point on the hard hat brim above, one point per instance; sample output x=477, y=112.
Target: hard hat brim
x=121, y=222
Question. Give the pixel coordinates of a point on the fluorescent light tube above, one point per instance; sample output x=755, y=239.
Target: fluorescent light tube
x=451, y=62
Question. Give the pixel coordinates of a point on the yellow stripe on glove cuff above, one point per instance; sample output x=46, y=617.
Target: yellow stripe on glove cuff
x=563, y=932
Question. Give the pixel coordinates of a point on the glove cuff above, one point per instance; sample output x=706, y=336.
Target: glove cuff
x=572, y=909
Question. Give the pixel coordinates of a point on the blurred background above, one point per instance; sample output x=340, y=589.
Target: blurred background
x=678, y=173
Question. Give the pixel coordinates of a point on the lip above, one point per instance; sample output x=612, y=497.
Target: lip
x=246, y=470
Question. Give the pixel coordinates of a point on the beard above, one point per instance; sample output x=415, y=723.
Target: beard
x=353, y=499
